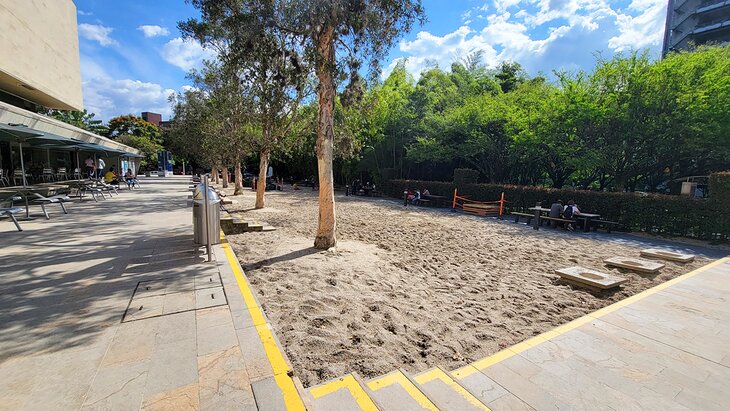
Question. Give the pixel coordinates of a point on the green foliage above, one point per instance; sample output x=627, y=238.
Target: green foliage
x=463, y=176
x=80, y=119
x=651, y=213
x=138, y=133
x=631, y=124
x=719, y=187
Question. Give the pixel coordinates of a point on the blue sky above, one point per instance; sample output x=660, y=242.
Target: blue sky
x=132, y=56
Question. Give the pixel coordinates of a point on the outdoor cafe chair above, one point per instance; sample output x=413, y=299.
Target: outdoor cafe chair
x=4, y=179
x=18, y=177
x=61, y=174
x=47, y=175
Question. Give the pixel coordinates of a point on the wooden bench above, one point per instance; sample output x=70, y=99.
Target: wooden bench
x=608, y=225
x=526, y=215
x=423, y=202
x=481, y=209
x=557, y=220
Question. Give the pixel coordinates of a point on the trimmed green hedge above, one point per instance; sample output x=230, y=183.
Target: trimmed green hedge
x=719, y=187
x=704, y=219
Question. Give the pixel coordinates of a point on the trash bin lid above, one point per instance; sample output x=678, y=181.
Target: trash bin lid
x=198, y=193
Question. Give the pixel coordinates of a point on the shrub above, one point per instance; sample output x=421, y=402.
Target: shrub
x=464, y=176
x=719, y=187
x=652, y=213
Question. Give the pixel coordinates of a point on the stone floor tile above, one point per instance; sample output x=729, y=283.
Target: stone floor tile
x=257, y=363
x=214, y=316
x=145, y=307
x=173, y=365
x=209, y=297
x=134, y=342
x=178, y=302
x=178, y=399
x=509, y=402
x=216, y=338
x=224, y=382
x=117, y=388
x=176, y=327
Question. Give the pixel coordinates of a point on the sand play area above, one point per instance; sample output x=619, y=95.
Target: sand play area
x=415, y=287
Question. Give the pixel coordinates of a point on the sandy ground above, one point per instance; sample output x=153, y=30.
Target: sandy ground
x=414, y=287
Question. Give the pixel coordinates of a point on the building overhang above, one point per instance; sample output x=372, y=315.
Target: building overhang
x=10, y=114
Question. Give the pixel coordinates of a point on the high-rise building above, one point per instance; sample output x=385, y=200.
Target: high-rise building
x=696, y=22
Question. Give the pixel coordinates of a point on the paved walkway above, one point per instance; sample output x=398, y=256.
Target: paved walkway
x=109, y=307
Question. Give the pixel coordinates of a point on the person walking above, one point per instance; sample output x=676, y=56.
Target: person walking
x=89, y=162
x=100, y=168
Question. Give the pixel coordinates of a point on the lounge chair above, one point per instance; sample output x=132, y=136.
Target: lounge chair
x=10, y=212
x=43, y=201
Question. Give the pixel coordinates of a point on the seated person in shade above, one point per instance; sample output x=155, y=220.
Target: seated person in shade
x=129, y=178
x=111, y=177
x=570, y=211
x=556, y=210
x=426, y=192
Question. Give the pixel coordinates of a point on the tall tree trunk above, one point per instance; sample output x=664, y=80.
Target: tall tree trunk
x=216, y=175
x=325, y=139
x=226, y=177
x=261, y=185
x=239, y=179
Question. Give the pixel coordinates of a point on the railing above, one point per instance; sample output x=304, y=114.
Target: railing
x=712, y=5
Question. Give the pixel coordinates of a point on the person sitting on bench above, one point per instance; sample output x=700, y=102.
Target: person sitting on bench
x=556, y=211
x=111, y=177
x=569, y=211
x=130, y=179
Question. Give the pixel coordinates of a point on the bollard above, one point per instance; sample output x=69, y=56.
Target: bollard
x=405, y=198
x=536, y=219
x=347, y=190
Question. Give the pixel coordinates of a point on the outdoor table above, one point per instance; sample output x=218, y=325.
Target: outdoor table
x=587, y=217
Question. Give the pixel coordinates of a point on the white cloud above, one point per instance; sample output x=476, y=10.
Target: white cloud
x=153, y=31
x=108, y=97
x=644, y=29
x=97, y=32
x=186, y=54
x=542, y=35
x=84, y=13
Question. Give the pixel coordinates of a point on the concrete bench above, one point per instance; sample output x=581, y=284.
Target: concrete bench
x=557, y=220
x=528, y=216
x=608, y=225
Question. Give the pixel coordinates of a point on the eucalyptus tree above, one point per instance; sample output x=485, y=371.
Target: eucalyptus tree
x=268, y=64
x=211, y=122
x=340, y=35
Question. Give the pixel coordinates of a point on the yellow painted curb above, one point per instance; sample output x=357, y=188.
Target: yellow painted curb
x=399, y=378
x=499, y=356
x=349, y=383
x=278, y=363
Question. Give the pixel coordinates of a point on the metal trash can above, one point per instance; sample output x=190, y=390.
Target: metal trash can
x=214, y=216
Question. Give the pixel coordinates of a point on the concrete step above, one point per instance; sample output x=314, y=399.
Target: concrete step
x=396, y=391
x=446, y=392
x=345, y=393
x=487, y=390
